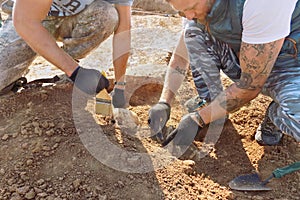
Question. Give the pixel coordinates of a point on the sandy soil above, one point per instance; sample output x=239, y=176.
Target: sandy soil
x=43, y=155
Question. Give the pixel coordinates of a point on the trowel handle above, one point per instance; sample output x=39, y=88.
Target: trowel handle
x=280, y=172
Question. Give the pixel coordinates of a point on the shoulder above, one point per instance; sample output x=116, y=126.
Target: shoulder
x=267, y=20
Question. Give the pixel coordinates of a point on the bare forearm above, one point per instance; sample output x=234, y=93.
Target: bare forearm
x=176, y=71
x=121, y=52
x=228, y=101
x=27, y=17
x=43, y=43
x=174, y=77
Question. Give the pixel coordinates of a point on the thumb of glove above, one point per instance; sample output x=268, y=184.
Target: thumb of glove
x=118, y=98
x=90, y=81
x=159, y=114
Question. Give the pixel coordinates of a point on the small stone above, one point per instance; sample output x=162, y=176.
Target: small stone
x=14, y=135
x=190, y=163
x=29, y=162
x=2, y=171
x=11, y=181
x=5, y=137
x=22, y=190
x=45, y=124
x=15, y=196
x=30, y=195
x=76, y=183
x=46, y=148
x=50, y=132
x=40, y=181
x=257, y=198
x=24, y=145
x=121, y=184
x=35, y=124
x=102, y=197
x=43, y=194
x=38, y=131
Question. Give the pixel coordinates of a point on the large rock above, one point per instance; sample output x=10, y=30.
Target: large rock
x=154, y=5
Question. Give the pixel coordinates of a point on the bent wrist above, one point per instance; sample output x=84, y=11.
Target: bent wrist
x=198, y=119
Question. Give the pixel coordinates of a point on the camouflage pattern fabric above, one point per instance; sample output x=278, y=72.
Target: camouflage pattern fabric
x=208, y=55
x=283, y=86
x=79, y=34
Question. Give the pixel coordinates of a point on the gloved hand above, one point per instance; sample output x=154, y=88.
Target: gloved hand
x=118, y=98
x=186, y=131
x=90, y=81
x=159, y=114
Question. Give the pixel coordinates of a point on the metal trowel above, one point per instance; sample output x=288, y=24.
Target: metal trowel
x=252, y=182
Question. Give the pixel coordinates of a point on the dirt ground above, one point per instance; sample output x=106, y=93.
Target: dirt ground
x=43, y=156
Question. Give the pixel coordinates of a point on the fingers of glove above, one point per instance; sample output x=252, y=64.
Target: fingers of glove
x=185, y=132
x=157, y=120
x=118, y=98
x=159, y=114
x=90, y=81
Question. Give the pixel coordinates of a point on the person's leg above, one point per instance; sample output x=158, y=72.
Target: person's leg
x=207, y=56
x=85, y=31
x=15, y=55
x=80, y=34
x=283, y=86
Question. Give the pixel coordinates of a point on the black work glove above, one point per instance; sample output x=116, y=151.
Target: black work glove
x=159, y=114
x=118, y=98
x=186, y=131
x=90, y=81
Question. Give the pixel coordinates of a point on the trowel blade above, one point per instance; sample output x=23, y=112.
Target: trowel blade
x=249, y=182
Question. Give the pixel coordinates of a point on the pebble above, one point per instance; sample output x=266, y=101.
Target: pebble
x=29, y=162
x=76, y=183
x=22, y=190
x=14, y=135
x=11, y=181
x=2, y=171
x=50, y=132
x=121, y=184
x=5, y=137
x=257, y=198
x=190, y=163
x=40, y=181
x=30, y=195
x=102, y=197
x=35, y=124
x=45, y=124
x=15, y=196
x=38, y=131
x=24, y=145
x=43, y=194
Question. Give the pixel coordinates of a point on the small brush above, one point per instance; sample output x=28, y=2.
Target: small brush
x=103, y=102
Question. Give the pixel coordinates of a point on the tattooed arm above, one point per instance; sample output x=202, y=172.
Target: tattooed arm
x=256, y=62
x=176, y=71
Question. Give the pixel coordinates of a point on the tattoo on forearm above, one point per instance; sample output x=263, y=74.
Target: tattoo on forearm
x=179, y=70
x=258, y=59
x=230, y=103
x=246, y=82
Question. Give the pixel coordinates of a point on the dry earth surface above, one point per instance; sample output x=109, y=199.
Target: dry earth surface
x=43, y=157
